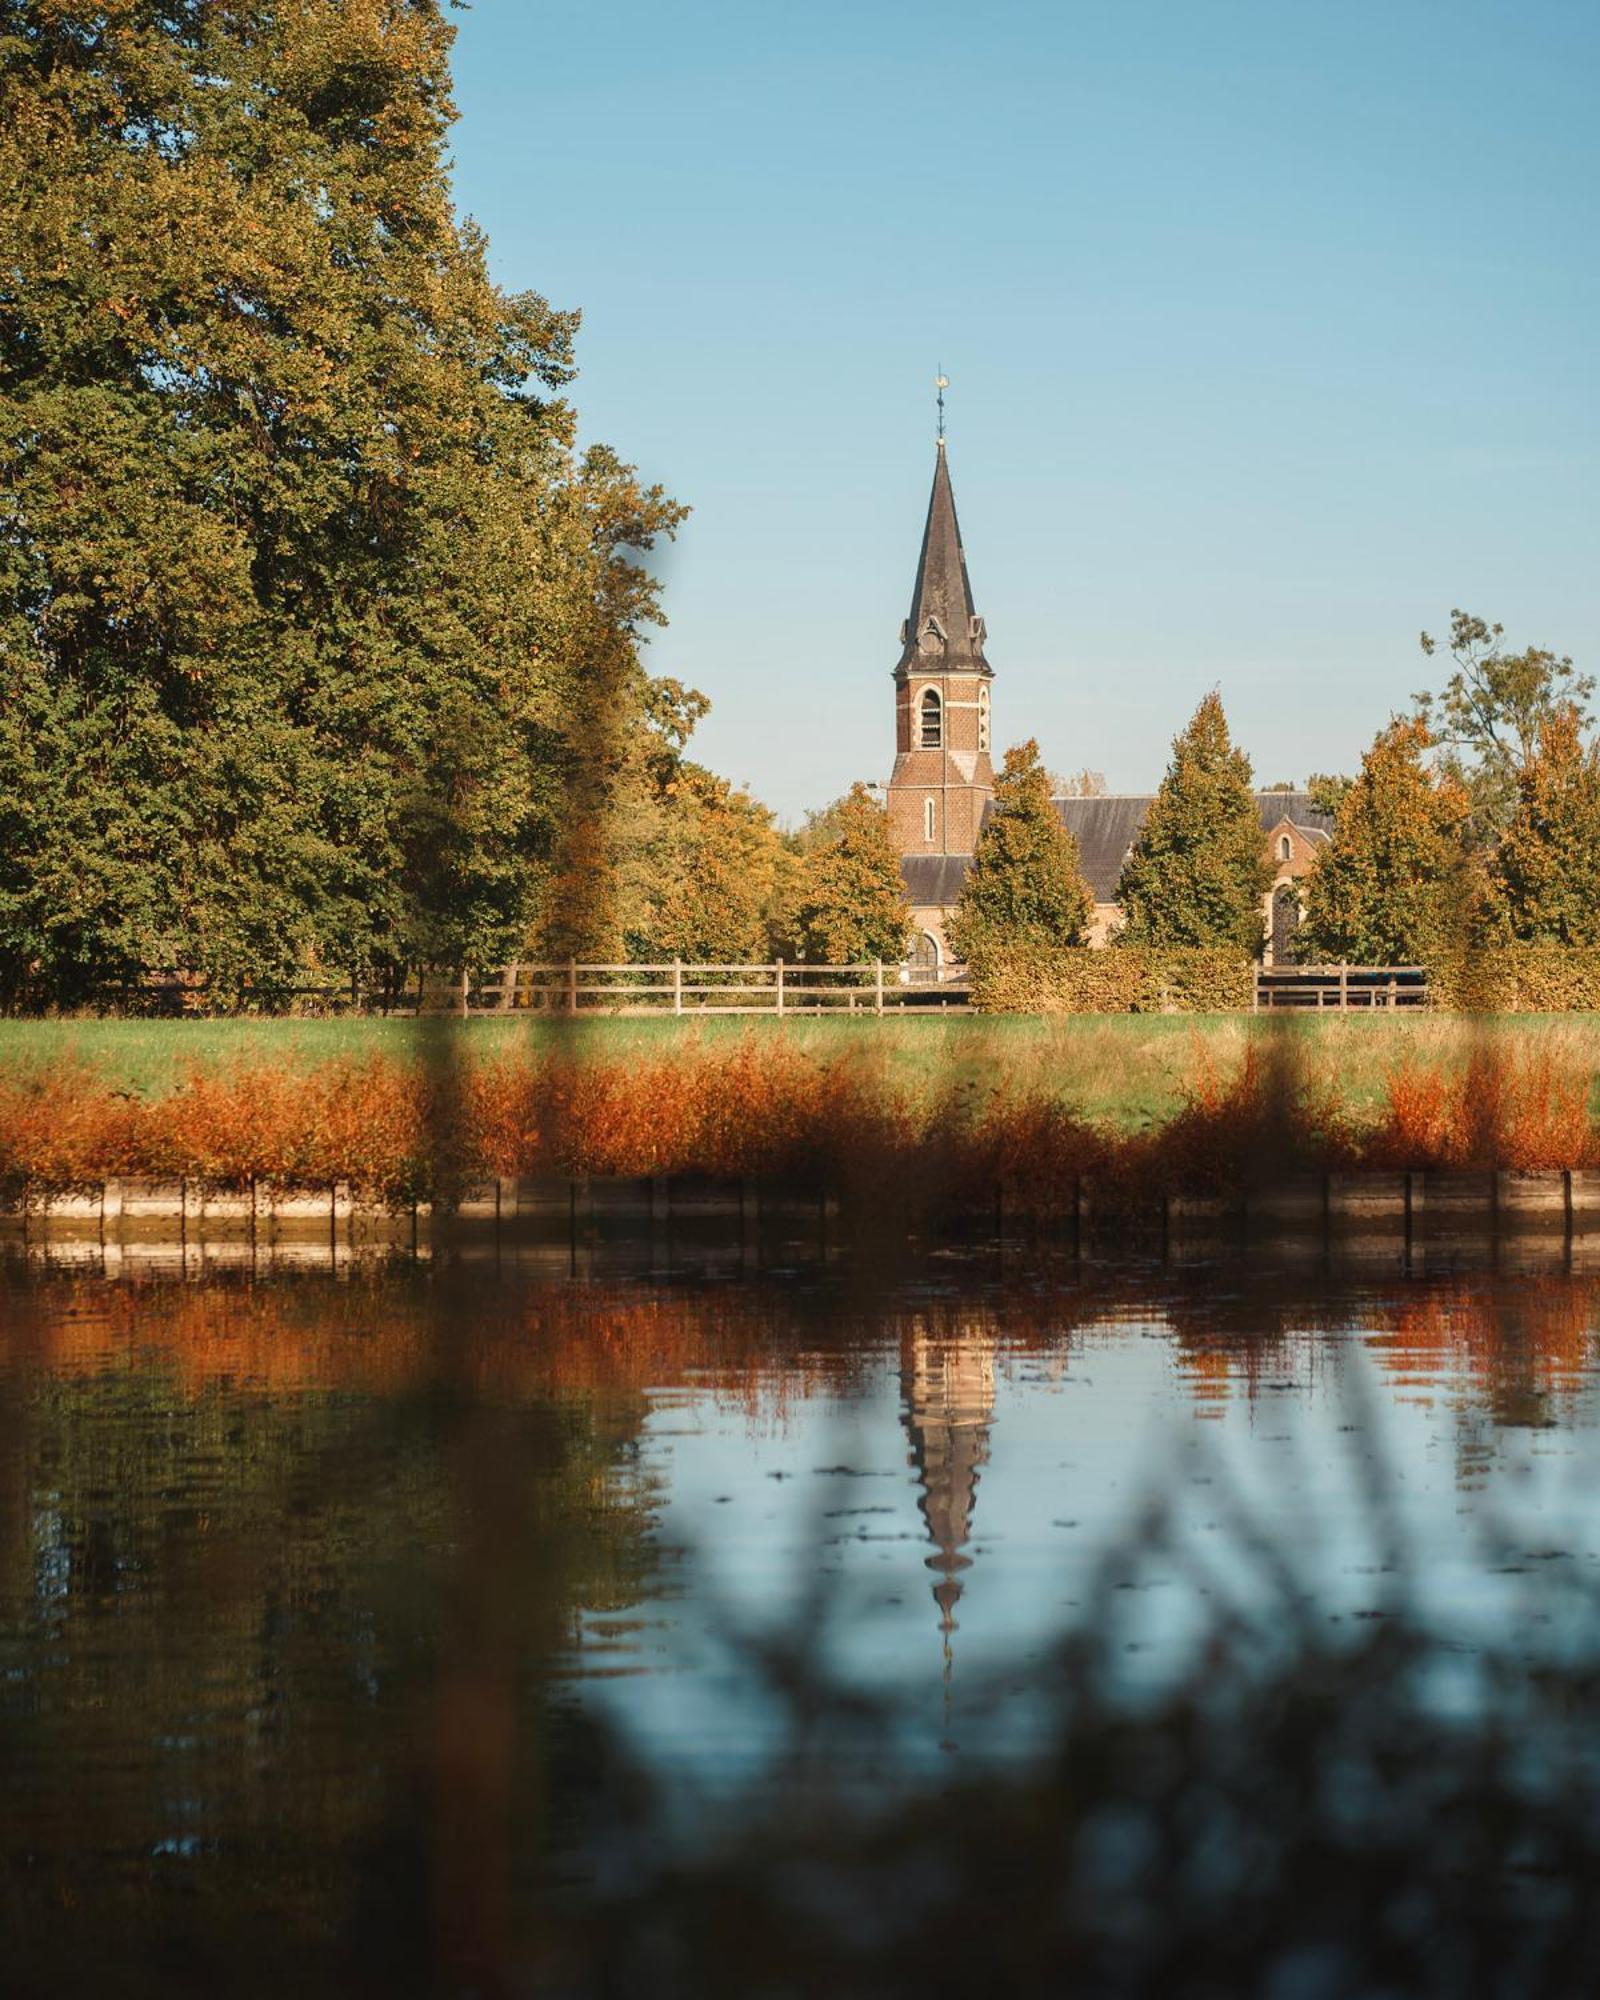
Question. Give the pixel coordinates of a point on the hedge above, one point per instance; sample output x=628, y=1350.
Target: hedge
x=1518, y=979
x=1118, y=980
x=1507, y=979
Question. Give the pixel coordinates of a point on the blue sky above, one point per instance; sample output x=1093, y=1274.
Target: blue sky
x=1271, y=332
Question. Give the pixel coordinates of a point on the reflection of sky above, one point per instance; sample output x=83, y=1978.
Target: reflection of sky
x=1077, y=1444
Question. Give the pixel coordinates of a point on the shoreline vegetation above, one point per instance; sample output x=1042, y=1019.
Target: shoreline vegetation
x=925, y=1120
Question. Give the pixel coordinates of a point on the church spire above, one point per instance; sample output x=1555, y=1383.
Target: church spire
x=944, y=623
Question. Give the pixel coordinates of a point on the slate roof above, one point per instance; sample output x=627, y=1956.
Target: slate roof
x=1105, y=829
x=942, y=589
x=933, y=880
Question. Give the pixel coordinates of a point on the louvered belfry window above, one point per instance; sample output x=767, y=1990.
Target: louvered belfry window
x=932, y=720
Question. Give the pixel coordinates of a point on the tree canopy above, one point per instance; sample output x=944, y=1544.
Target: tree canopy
x=1393, y=886
x=1197, y=872
x=1488, y=717
x=316, y=634
x=1024, y=893
x=1544, y=876
x=711, y=881
x=851, y=906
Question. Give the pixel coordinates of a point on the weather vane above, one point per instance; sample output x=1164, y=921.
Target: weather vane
x=941, y=382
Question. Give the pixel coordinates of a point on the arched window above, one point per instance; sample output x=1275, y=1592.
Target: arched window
x=983, y=718
x=932, y=719
x=923, y=965
x=1285, y=848
x=927, y=819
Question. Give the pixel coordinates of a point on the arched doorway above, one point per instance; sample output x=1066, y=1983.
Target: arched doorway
x=1285, y=922
x=923, y=965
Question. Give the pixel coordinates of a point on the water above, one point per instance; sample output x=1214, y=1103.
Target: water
x=346, y=1618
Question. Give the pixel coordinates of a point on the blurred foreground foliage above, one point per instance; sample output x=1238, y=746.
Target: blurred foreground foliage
x=1308, y=1810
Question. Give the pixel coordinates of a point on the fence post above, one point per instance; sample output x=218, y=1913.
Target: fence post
x=508, y=987
x=466, y=988
x=1344, y=985
x=878, y=1009
x=778, y=969
x=677, y=986
x=572, y=985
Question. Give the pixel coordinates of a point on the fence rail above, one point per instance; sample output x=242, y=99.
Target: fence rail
x=1340, y=986
x=678, y=988
x=683, y=988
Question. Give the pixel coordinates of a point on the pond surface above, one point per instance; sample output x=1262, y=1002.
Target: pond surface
x=339, y=1610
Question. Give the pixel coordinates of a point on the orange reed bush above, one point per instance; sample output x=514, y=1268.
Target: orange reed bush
x=608, y=1118
x=1504, y=1109
x=505, y=1104
x=757, y=1108
x=1267, y=1117
x=397, y=1131
x=366, y=1124
x=1034, y=1148
x=64, y=1129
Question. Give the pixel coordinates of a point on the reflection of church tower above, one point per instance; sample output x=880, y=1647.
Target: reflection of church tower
x=948, y=1388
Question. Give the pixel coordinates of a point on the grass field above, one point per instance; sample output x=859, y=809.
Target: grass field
x=1129, y=1071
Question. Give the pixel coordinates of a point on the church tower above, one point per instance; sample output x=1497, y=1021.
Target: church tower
x=943, y=777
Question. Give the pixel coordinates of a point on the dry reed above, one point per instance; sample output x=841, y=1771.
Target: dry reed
x=396, y=1130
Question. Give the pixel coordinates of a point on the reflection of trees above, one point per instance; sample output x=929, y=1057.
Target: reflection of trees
x=1515, y=1350
x=1512, y=1349
x=296, y=1572
x=274, y=1580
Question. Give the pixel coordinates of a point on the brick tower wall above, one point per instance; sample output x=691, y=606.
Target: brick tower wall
x=958, y=777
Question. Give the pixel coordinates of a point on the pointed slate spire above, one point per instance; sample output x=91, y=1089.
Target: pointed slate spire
x=944, y=624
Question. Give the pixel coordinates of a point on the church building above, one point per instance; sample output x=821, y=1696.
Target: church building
x=943, y=778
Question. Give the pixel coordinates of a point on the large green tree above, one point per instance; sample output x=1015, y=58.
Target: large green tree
x=1198, y=870
x=1544, y=876
x=1394, y=885
x=1024, y=896
x=315, y=632
x=851, y=905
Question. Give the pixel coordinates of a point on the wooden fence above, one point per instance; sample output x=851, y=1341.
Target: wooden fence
x=778, y=988
x=1340, y=986
x=681, y=988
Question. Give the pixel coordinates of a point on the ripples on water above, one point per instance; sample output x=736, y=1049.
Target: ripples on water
x=356, y=1628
